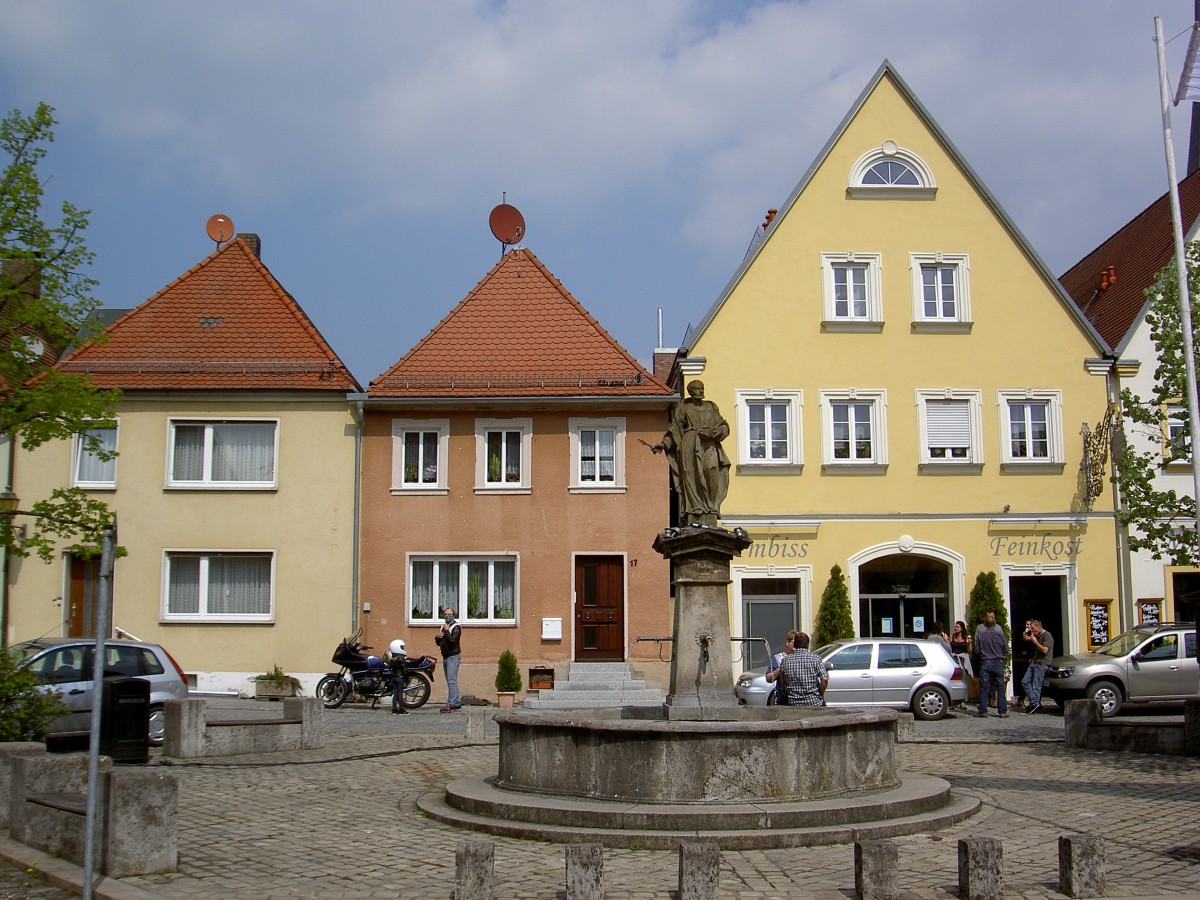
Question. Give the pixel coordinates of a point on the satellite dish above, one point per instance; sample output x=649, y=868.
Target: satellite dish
x=507, y=224
x=219, y=228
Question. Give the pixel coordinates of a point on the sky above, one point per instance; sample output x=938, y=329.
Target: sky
x=366, y=142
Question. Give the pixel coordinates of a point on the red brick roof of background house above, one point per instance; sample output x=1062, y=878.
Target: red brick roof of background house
x=1137, y=251
x=519, y=333
x=225, y=324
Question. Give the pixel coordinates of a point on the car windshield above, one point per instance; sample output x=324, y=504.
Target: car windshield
x=24, y=650
x=1123, y=644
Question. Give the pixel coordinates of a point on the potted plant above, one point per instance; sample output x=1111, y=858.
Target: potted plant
x=508, y=679
x=275, y=684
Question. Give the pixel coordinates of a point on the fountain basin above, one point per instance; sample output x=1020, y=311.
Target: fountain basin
x=772, y=755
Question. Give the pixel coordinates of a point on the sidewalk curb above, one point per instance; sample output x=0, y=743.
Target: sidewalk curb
x=69, y=877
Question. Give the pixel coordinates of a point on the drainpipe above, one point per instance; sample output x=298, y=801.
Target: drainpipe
x=356, y=410
x=1116, y=449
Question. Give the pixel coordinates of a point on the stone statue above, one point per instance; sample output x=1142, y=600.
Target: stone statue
x=699, y=467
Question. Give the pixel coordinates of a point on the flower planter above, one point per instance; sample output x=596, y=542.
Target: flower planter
x=504, y=699
x=272, y=690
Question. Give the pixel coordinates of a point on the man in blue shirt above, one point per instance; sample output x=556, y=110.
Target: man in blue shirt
x=992, y=647
x=804, y=675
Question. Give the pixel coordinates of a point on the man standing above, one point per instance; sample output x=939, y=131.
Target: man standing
x=804, y=675
x=1043, y=652
x=992, y=647
x=774, y=667
x=448, y=638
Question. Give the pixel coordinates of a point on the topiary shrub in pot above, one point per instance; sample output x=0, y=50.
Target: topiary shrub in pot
x=508, y=679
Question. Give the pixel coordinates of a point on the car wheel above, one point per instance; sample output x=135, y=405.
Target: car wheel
x=930, y=703
x=158, y=725
x=1109, y=695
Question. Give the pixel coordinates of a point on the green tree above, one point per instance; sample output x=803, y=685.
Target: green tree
x=25, y=712
x=508, y=676
x=1152, y=513
x=834, y=619
x=985, y=598
x=45, y=299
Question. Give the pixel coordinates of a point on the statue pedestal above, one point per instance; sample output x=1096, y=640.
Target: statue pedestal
x=702, y=666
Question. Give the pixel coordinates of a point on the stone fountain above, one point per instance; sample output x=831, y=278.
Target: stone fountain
x=701, y=767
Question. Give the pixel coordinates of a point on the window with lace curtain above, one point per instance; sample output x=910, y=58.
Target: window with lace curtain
x=478, y=589
x=597, y=454
x=93, y=465
x=224, y=586
x=223, y=454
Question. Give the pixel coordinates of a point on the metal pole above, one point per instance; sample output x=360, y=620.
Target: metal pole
x=1185, y=304
x=103, y=618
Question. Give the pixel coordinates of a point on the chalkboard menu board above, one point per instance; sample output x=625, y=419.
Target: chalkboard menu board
x=1150, y=611
x=1097, y=614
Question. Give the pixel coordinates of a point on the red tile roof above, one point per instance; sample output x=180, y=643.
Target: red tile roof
x=1137, y=251
x=225, y=324
x=519, y=333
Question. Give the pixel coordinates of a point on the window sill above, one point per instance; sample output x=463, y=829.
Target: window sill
x=420, y=492
x=1032, y=468
x=934, y=326
x=96, y=487
x=760, y=468
x=937, y=467
x=215, y=620
x=840, y=468
x=514, y=489
x=851, y=326
x=889, y=192
x=597, y=489
x=255, y=488
x=1177, y=466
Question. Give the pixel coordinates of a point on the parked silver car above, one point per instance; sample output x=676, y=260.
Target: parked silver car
x=65, y=665
x=1148, y=664
x=901, y=673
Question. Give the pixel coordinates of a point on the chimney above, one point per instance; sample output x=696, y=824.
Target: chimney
x=253, y=242
x=771, y=213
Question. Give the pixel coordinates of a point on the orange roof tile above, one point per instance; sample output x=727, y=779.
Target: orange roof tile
x=1137, y=251
x=225, y=324
x=519, y=333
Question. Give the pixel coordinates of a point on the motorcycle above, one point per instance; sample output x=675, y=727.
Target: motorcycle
x=366, y=677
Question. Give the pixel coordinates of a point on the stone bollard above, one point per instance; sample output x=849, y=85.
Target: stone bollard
x=143, y=824
x=477, y=718
x=7, y=751
x=1081, y=865
x=1191, y=726
x=699, y=871
x=186, y=724
x=906, y=728
x=311, y=713
x=877, y=870
x=473, y=877
x=980, y=869
x=1076, y=719
x=585, y=872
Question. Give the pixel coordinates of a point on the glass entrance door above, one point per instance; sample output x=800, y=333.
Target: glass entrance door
x=901, y=615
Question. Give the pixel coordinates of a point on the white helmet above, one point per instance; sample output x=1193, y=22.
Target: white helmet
x=397, y=648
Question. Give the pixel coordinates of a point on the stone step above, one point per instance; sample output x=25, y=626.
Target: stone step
x=601, y=685
x=598, y=699
x=606, y=672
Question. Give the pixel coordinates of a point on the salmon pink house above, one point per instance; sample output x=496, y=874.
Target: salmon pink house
x=504, y=475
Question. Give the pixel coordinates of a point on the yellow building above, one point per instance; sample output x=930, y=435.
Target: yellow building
x=905, y=385
x=233, y=487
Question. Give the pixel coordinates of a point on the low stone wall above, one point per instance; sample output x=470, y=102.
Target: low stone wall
x=191, y=734
x=135, y=830
x=1087, y=729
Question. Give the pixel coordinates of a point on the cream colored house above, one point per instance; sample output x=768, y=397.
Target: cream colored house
x=233, y=488
x=905, y=383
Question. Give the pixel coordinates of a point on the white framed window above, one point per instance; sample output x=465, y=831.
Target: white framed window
x=941, y=291
x=853, y=288
x=480, y=589
x=854, y=429
x=222, y=453
x=503, y=451
x=597, y=454
x=890, y=172
x=1031, y=428
x=219, y=586
x=1177, y=440
x=93, y=457
x=950, y=426
x=420, y=448
x=768, y=426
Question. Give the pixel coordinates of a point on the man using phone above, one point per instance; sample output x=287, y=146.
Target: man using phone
x=449, y=638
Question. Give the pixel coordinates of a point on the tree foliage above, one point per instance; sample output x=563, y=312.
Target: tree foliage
x=25, y=712
x=834, y=619
x=985, y=598
x=45, y=299
x=1153, y=512
x=508, y=676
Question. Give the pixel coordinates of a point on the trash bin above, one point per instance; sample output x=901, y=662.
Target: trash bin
x=125, y=720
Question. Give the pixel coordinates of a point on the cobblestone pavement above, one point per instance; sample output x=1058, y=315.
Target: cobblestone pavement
x=342, y=821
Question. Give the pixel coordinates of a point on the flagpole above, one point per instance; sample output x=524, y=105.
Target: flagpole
x=1185, y=304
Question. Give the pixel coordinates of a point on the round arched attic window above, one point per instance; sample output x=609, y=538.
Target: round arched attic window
x=891, y=172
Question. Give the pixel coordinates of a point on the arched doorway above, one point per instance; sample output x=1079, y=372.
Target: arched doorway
x=902, y=595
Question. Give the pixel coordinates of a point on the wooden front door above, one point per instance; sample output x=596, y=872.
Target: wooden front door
x=599, y=608
x=82, y=595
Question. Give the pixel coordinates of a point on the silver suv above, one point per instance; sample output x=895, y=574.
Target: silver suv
x=65, y=665
x=1150, y=663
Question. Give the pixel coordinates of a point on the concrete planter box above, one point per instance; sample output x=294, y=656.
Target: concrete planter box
x=274, y=690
